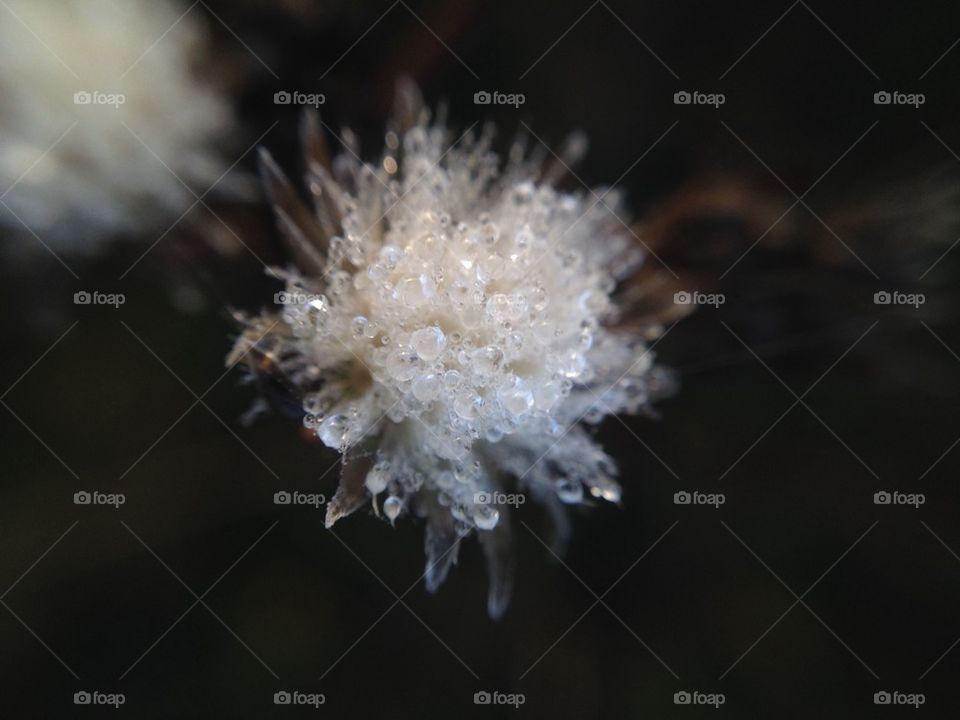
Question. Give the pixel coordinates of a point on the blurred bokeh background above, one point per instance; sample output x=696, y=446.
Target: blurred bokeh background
x=798, y=198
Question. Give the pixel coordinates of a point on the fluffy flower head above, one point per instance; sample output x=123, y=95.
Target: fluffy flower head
x=451, y=327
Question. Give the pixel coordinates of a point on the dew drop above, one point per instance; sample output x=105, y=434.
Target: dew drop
x=486, y=517
x=333, y=431
x=428, y=342
x=392, y=507
x=416, y=291
x=487, y=360
x=426, y=387
x=402, y=364
x=569, y=490
x=390, y=255
x=358, y=326
x=378, y=477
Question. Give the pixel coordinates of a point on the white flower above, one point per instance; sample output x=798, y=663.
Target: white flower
x=450, y=329
x=88, y=86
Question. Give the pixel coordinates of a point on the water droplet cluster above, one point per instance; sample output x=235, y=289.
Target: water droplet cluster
x=460, y=324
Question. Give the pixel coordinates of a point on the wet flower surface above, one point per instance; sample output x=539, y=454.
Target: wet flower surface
x=452, y=327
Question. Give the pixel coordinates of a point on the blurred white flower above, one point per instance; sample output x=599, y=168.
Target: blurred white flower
x=449, y=328
x=87, y=87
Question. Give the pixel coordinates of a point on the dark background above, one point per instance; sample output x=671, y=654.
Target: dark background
x=824, y=597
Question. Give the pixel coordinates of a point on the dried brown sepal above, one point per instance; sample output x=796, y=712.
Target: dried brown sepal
x=305, y=238
x=351, y=493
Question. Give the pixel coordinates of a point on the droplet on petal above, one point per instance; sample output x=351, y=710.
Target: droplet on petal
x=392, y=507
x=486, y=517
x=428, y=342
